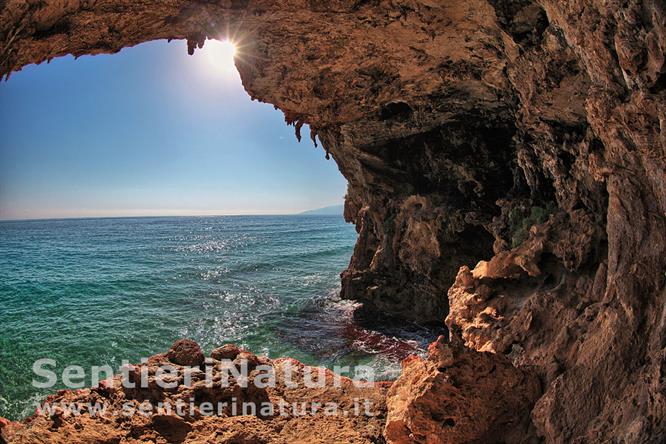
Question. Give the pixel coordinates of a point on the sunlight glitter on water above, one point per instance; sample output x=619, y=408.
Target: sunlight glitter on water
x=130, y=287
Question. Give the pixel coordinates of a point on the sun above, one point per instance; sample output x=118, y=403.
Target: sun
x=220, y=55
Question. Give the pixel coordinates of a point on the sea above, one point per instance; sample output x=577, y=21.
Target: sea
x=93, y=292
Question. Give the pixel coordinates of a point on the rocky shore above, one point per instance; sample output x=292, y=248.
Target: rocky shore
x=221, y=412
x=452, y=395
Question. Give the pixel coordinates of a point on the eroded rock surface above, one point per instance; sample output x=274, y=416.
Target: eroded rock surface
x=460, y=395
x=104, y=414
x=530, y=135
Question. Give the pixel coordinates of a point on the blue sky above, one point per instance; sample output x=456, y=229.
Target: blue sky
x=151, y=131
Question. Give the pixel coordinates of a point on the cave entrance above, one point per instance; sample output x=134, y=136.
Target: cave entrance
x=145, y=198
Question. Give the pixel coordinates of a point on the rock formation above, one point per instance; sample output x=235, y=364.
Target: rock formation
x=102, y=414
x=460, y=395
x=524, y=141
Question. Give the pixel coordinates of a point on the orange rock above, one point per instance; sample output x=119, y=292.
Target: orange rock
x=459, y=395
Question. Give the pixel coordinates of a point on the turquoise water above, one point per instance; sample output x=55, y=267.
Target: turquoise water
x=98, y=291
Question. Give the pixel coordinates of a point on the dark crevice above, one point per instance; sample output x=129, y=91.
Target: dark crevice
x=524, y=20
x=469, y=164
x=659, y=85
x=62, y=27
x=395, y=110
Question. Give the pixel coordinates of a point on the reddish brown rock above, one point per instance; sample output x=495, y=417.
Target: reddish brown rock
x=186, y=352
x=289, y=421
x=227, y=351
x=8, y=429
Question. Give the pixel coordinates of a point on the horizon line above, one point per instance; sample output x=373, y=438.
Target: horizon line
x=148, y=216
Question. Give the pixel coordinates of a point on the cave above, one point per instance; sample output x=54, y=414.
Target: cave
x=506, y=163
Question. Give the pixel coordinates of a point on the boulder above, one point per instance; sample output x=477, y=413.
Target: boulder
x=186, y=352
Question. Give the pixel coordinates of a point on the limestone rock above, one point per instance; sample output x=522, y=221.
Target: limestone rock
x=525, y=136
x=219, y=412
x=459, y=395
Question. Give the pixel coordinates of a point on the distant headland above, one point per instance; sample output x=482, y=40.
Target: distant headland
x=333, y=210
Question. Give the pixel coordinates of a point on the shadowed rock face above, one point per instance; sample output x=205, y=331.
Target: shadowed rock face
x=529, y=135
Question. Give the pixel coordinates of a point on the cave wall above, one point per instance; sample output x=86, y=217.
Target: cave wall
x=529, y=135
